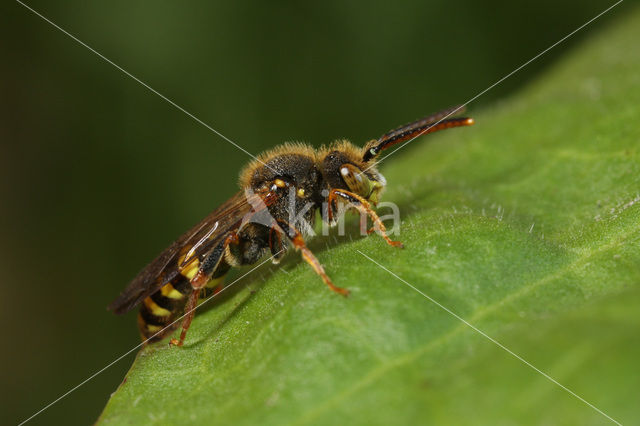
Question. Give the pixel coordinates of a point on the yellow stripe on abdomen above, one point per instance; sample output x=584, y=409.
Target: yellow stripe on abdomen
x=155, y=309
x=190, y=270
x=170, y=292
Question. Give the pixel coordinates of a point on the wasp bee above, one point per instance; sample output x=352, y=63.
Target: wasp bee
x=281, y=192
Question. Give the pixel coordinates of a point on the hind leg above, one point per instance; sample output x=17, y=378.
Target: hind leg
x=209, y=268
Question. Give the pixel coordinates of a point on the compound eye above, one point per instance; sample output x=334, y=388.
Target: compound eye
x=300, y=192
x=356, y=181
x=279, y=183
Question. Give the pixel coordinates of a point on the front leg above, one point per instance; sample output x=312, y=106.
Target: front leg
x=364, y=207
x=298, y=242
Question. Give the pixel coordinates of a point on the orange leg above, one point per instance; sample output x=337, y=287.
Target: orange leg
x=278, y=250
x=298, y=242
x=210, y=291
x=218, y=289
x=199, y=280
x=190, y=310
x=364, y=207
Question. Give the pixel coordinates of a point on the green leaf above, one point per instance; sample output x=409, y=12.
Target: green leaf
x=526, y=225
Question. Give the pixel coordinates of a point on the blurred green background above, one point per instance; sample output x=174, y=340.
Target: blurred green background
x=99, y=174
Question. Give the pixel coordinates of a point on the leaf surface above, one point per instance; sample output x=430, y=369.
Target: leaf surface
x=526, y=225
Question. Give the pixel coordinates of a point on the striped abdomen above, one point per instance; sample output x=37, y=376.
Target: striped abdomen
x=162, y=308
x=165, y=306
x=159, y=311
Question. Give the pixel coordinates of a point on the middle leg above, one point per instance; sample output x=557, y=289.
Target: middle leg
x=298, y=242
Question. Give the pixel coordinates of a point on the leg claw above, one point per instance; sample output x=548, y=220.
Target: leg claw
x=340, y=290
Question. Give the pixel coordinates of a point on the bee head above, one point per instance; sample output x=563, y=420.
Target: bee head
x=343, y=168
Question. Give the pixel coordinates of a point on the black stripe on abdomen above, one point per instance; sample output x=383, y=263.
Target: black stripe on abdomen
x=160, y=309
